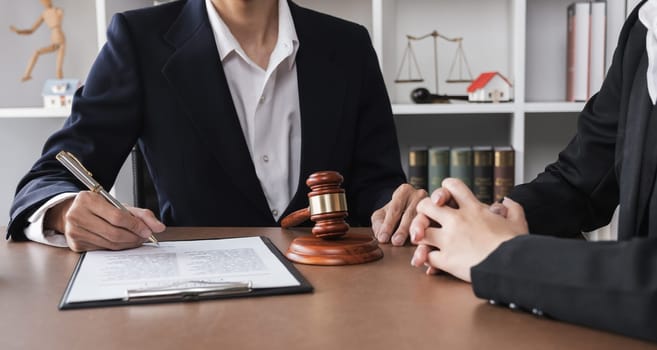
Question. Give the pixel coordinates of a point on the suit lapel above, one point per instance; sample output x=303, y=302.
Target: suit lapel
x=633, y=174
x=194, y=71
x=321, y=96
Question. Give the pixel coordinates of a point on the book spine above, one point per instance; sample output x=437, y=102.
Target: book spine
x=504, y=172
x=438, y=167
x=417, y=168
x=578, y=51
x=598, y=46
x=482, y=172
x=461, y=164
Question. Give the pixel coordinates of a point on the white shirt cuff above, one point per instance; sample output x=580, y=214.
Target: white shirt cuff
x=35, y=231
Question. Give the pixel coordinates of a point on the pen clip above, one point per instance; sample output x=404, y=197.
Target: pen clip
x=75, y=159
x=197, y=290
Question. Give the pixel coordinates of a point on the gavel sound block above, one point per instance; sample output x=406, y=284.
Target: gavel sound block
x=330, y=243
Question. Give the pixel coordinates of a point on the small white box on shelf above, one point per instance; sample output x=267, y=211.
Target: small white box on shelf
x=58, y=93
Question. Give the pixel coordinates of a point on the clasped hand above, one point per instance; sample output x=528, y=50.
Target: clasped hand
x=454, y=231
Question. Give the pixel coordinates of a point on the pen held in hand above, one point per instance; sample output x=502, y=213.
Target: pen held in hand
x=73, y=165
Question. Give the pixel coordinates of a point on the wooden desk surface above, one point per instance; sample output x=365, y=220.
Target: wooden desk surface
x=386, y=304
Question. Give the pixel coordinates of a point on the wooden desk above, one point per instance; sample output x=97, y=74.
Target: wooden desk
x=382, y=305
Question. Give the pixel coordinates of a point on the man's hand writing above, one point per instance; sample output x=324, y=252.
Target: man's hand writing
x=90, y=222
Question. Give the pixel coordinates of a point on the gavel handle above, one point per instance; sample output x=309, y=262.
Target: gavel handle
x=295, y=218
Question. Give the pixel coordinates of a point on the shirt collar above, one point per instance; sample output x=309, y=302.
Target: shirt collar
x=287, y=34
x=648, y=17
x=226, y=42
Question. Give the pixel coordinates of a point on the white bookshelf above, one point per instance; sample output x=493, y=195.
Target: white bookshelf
x=525, y=40
x=522, y=39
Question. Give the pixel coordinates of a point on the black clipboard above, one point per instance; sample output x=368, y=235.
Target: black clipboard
x=303, y=287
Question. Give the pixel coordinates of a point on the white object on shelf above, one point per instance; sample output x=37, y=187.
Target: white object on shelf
x=58, y=93
x=490, y=87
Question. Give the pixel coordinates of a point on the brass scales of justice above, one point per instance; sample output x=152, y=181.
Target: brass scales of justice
x=422, y=95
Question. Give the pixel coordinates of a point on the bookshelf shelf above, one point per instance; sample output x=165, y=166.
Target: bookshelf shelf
x=453, y=108
x=553, y=107
x=37, y=112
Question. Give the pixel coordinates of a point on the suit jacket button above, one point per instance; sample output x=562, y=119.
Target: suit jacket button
x=537, y=312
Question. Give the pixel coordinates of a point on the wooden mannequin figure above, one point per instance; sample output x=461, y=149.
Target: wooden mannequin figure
x=330, y=243
x=52, y=16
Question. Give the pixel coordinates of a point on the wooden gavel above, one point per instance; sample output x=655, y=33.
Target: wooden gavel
x=327, y=206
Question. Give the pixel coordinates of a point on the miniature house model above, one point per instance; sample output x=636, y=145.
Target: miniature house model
x=58, y=93
x=490, y=87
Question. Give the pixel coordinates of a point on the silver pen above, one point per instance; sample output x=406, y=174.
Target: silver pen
x=73, y=165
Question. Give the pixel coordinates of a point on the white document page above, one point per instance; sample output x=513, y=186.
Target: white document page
x=106, y=275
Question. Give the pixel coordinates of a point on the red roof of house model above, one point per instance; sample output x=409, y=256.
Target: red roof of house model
x=483, y=79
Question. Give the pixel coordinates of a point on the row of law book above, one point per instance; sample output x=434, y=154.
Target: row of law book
x=585, y=53
x=488, y=171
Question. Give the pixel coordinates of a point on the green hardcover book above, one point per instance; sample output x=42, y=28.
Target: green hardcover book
x=504, y=172
x=482, y=173
x=460, y=164
x=417, y=167
x=438, y=166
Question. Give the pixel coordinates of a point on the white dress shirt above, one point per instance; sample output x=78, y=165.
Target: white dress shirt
x=267, y=105
x=648, y=16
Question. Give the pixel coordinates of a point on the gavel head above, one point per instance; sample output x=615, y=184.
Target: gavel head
x=328, y=204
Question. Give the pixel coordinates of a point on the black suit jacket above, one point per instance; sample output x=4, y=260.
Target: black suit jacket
x=158, y=82
x=612, y=160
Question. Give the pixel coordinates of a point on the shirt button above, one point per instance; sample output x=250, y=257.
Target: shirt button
x=274, y=212
x=265, y=158
x=492, y=302
x=513, y=306
x=261, y=100
x=537, y=312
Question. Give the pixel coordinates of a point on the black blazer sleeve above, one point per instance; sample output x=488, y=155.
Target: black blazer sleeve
x=606, y=285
